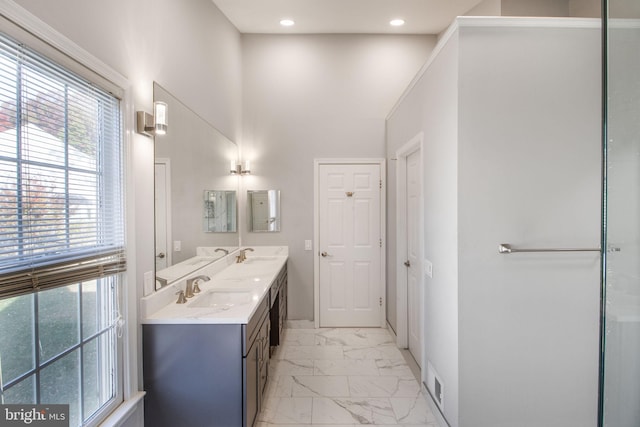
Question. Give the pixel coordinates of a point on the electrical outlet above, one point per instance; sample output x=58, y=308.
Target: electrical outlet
x=307, y=245
x=177, y=245
x=428, y=268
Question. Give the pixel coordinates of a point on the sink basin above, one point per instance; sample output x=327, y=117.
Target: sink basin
x=198, y=260
x=223, y=299
x=252, y=259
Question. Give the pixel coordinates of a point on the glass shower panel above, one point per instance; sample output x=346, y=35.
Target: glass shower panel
x=621, y=375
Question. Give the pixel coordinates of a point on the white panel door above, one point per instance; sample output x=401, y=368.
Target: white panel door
x=414, y=287
x=350, y=252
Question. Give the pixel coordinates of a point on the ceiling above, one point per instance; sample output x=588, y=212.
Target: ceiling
x=343, y=16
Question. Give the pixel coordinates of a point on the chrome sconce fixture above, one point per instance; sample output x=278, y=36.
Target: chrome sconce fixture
x=240, y=168
x=155, y=124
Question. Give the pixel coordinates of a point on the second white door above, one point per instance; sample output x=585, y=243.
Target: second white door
x=414, y=288
x=350, y=245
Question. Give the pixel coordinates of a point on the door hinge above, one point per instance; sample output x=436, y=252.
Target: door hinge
x=380, y=301
x=380, y=183
x=380, y=242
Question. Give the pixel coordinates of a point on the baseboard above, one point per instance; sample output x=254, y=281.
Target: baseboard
x=300, y=324
x=392, y=332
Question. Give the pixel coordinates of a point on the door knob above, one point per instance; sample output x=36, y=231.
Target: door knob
x=160, y=255
x=407, y=263
x=324, y=254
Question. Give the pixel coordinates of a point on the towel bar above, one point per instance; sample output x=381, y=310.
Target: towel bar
x=506, y=248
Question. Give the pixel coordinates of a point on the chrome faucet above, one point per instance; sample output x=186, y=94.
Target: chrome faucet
x=226, y=252
x=192, y=285
x=243, y=255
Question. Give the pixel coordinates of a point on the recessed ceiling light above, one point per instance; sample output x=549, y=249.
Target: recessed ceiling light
x=397, y=22
x=287, y=23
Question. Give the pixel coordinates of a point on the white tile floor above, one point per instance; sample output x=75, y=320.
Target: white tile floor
x=340, y=378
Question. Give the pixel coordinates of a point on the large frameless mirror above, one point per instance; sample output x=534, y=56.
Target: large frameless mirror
x=192, y=157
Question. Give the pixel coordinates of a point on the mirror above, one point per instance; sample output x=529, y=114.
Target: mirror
x=220, y=211
x=190, y=158
x=263, y=210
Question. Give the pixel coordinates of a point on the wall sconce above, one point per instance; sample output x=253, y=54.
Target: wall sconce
x=155, y=124
x=239, y=168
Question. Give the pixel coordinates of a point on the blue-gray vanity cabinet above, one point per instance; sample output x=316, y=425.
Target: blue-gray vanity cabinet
x=206, y=375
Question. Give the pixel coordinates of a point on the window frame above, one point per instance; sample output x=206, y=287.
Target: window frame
x=41, y=37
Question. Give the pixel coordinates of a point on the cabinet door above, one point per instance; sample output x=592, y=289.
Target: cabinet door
x=263, y=362
x=283, y=303
x=274, y=316
x=252, y=400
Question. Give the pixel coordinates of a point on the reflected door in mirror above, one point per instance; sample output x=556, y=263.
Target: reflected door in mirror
x=162, y=191
x=263, y=208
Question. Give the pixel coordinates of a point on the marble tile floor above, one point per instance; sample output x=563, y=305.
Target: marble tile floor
x=342, y=377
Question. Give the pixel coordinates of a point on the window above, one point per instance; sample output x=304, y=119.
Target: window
x=61, y=237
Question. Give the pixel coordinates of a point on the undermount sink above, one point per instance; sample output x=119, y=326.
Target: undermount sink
x=223, y=299
x=197, y=260
x=252, y=259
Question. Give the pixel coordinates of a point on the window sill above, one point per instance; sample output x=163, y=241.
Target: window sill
x=122, y=412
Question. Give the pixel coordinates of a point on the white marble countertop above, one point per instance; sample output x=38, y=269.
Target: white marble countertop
x=254, y=276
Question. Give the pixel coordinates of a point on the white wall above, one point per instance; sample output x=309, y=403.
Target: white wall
x=486, y=8
x=431, y=107
x=535, y=8
x=315, y=96
x=585, y=8
x=575, y=8
x=529, y=174
x=189, y=47
x=624, y=9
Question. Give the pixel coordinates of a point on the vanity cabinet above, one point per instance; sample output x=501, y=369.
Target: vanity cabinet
x=278, y=311
x=206, y=374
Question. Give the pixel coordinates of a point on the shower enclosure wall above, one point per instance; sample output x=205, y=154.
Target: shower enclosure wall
x=620, y=388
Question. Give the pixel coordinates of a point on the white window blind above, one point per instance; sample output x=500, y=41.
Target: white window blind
x=61, y=196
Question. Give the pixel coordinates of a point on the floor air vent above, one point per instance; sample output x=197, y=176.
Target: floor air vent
x=435, y=386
